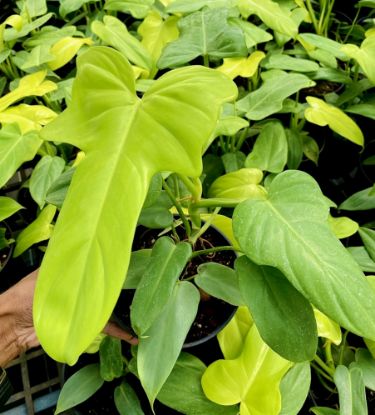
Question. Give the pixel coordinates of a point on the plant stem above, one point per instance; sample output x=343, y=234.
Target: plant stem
x=242, y=138
x=206, y=61
x=324, y=366
x=312, y=15
x=342, y=347
x=193, y=239
x=211, y=250
x=328, y=353
x=215, y=202
x=178, y=207
x=190, y=186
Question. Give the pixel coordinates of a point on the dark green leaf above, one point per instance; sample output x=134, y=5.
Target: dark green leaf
x=111, y=363
x=155, y=217
x=59, y=188
x=233, y=161
x=79, y=387
x=137, y=267
x=295, y=148
x=220, y=282
x=126, y=400
x=283, y=316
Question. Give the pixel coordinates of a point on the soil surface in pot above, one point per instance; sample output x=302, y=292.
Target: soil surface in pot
x=212, y=313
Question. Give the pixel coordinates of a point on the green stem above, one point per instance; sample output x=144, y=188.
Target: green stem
x=328, y=353
x=193, y=239
x=324, y=366
x=217, y=202
x=178, y=207
x=190, y=186
x=342, y=347
x=211, y=250
x=320, y=371
x=312, y=15
x=242, y=138
x=206, y=61
x=352, y=25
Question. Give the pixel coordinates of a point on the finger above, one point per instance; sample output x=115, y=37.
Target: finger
x=114, y=330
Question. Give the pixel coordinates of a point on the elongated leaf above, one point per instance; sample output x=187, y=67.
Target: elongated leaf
x=28, y=117
x=284, y=318
x=245, y=67
x=366, y=110
x=190, y=400
x=232, y=337
x=65, y=49
x=272, y=15
x=204, y=33
x=114, y=33
x=295, y=148
x=219, y=281
x=294, y=388
x=322, y=114
x=45, y=173
x=8, y=207
x=270, y=151
x=362, y=200
x=269, y=98
x=362, y=257
x=368, y=237
x=308, y=254
x=241, y=185
x=252, y=379
x=364, y=55
x=137, y=8
x=288, y=63
x=352, y=395
x=320, y=410
x=156, y=286
x=15, y=149
x=111, y=362
x=175, y=123
x=126, y=400
x=366, y=363
x=18, y=30
x=79, y=387
x=331, y=46
x=176, y=317
x=38, y=231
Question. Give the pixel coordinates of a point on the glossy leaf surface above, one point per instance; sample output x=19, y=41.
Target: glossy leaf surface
x=159, y=279
x=252, y=379
x=105, y=119
x=190, y=400
x=310, y=256
x=284, y=317
x=176, y=317
x=322, y=114
x=269, y=98
x=204, y=33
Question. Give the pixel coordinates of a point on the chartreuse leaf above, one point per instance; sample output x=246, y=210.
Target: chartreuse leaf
x=252, y=379
x=323, y=114
x=327, y=328
x=39, y=230
x=239, y=185
x=272, y=15
x=269, y=98
x=176, y=317
x=65, y=49
x=232, y=337
x=294, y=388
x=310, y=41
x=270, y=151
x=204, y=33
x=137, y=8
x=114, y=33
x=45, y=173
x=283, y=316
x=220, y=282
x=368, y=238
x=28, y=117
x=351, y=388
x=111, y=362
x=126, y=400
x=362, y=200
x=166, y=263
x=15, y=149
x=79, y=387
x=364, y=55
x=36, y=7
x=310, y=256
x=157, y=32
x=19, y=29
x=8, y=207
x=175, y=123
x=191, y=400
x=33, y=84
x=342, y=226
x=245, y=67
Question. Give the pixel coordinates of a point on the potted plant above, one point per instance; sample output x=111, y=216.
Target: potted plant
x=267, y=164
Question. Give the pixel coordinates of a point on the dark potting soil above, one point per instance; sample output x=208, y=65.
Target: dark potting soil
x=212, y=313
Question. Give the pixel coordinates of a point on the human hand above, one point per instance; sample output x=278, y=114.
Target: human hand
x=17, y=333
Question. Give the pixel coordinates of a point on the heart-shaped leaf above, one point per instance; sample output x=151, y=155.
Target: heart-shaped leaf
x=284, y=317
x=322, y=114
x=106, y=120
x=252, y=379
x=308, y=254
x=245, y=67
x=204, y=33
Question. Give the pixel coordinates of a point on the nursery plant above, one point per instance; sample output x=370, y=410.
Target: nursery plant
x=179, y=115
